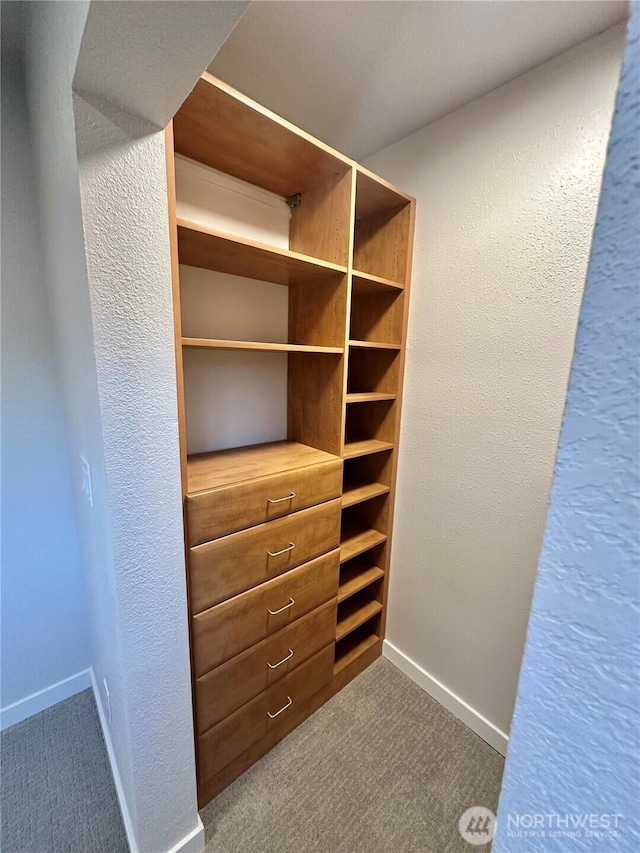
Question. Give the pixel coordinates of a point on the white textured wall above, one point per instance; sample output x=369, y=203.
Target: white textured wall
x=114, y=333
x=507, y=189
x=44, y=621
x=576, y=733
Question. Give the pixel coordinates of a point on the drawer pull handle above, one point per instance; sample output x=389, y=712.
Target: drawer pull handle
x=292, y=601
x=289, y=547
x=282, y=500
x=284, y=708
x=280, y=662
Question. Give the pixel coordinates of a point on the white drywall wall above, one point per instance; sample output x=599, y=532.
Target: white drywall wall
x=507, y=189
x=576, y=733
x=44, y=623
x=114, y=334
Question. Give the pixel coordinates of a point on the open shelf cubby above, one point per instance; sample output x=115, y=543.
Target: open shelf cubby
x=356, y=644
x=228, y=132
x=382, y=232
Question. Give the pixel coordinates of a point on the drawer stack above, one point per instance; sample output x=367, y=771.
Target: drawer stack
x=263, y=535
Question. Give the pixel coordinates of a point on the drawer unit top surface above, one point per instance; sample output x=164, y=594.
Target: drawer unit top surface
x=227, y=467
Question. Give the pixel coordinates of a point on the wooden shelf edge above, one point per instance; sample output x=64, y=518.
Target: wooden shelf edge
x=356, y=494
x=373, y=345
x=364, y=448
x=256, y=346
x=383, y=283
x=370, y=397
x=356, y=653
x=361, y=580
x=265, y=249
x=357, y=543
x=349, y=624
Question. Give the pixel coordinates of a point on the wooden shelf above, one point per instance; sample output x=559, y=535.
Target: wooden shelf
x=224, y=467
x=357, y=541
x=356, y=577
x=205, y=248
x=364, y=448
x=363, y=282
x=353, y=614
x=373, y=345
x=224, y=129
x=351, y=648
x=355, y=493
x=209, y=343
x=374, y=195
x=370, y=397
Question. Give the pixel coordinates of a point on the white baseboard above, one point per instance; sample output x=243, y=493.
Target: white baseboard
x=458, y=707
x=43, y=699
x=193, y=842
x=115, y=772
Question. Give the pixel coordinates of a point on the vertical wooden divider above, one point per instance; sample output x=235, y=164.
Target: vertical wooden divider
x=175, y=290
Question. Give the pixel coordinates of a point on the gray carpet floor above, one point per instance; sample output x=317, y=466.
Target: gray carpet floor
x=57, y=792
x=381, y=768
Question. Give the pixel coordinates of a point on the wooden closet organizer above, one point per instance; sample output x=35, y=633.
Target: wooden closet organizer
x=288, y=542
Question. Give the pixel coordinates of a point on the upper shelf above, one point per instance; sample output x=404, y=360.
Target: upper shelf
x=203, y=247
x=366, y=283
x=226, y=130
x=374, y=195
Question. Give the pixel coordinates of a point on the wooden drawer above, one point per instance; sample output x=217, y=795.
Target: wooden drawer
x=231, y=685
x=249, y=724
x=228, y=566
x=223, y=631
x=219, y=512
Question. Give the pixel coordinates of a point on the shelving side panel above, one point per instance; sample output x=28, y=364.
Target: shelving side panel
x=175, y=289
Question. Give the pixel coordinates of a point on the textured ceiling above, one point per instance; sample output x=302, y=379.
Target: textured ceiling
x=361, y=75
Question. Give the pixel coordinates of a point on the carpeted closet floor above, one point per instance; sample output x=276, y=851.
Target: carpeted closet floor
x=381, y=768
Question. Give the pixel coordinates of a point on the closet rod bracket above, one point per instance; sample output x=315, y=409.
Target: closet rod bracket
x=294, y=200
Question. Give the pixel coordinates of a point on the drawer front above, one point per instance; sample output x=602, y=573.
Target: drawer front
x=231, y=508
x=249, y=724
x=231, y=685
x=229, y=566
x=226, y=629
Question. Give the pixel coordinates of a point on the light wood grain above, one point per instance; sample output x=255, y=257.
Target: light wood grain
x=230, y=685
x=375, y=195
x=239, y=464
x=218, y=512
x=353, y=613
x=355, y=577
x=362, y=448
x=355, y=344
x=228, y=566
x=199, y=246
x=315, y=392
x=320, y=223
x=210, y=343
x=240, y=730
x=318, y=315
x=381, y=244
x=370, y=397
x=355, y=492
x=224, y=129
x=354, y=647
x=378, y=317
x=175, y=297
x=232, y=626
x=356, y=541
x=366, y=283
